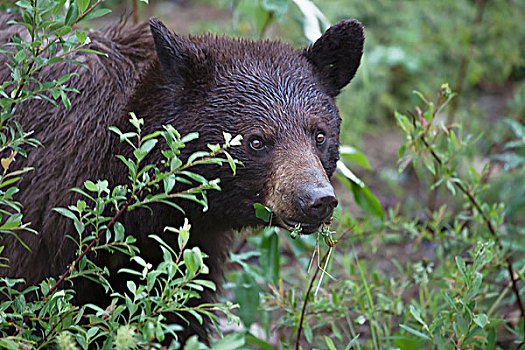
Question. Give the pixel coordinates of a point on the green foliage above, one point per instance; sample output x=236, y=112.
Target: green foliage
x=362, y=194
x=51, y=39
x=136, y=318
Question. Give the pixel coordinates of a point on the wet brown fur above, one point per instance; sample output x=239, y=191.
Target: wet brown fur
x=207, y=84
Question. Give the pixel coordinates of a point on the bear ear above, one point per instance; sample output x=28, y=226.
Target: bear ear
x=336, y=55
x=182, y=62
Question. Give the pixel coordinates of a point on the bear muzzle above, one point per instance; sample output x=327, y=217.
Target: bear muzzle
x=315, y=206
x=306, y=200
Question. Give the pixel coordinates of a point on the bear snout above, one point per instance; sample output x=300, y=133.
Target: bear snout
x=317, y=203
x=300, y=194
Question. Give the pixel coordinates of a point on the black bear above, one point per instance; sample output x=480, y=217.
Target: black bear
x=280, y=99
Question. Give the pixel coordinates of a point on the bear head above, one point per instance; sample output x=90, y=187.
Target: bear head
x=281, y=100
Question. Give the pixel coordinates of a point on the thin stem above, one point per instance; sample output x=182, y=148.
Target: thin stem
x=303, y=311
x=44, y=339
x=135, y=12
x=310, y=286
x=88, y=11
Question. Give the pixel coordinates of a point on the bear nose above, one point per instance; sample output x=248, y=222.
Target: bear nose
x=320, y=203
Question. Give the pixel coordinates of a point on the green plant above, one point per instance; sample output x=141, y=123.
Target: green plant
x=467, y=322
x=51, y=39
x=137, y=317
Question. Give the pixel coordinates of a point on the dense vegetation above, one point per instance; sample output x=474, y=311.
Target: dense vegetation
x=434, y=258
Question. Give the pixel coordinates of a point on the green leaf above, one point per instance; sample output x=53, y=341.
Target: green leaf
x=189, y=261
x=92, y=332
x=82, y=37
x=196, y=155
x=329, y=343
x=145, y=149
x=236, y=141
x=481, y=320
x=131, y=286
x=102, y=186
x=416, y=312
x=81, y=205
x=227, y=137
x=262, y=212
x=401, y=151
x=66, y=212
x=197, y=255
x=98, y=12
x=353, y=155
x=10, y=225
x=193, y=343
x=450, y=186
x=347, y=173
x=246, y=294
x=270, y=256
x=194, y=176
x=58, y=6
x=206, y=283
x=9, y=182
x=175, y=163
x=253, y=342
x=230, y=342
x=415, y=332
x=461, y=267
x=362, y=195
x=140, y=261
x=20, y=56
x=65, y=78
x=314, y=20
x=65, y=100
x=79, y=226
x=82, y=4
x=491, y=337
x=189, y=137
x=231, y=162
x=90, y=186
x=184, y=234
x=119, y=231
x=72, y=14
x=169, y=183
x=308, y=334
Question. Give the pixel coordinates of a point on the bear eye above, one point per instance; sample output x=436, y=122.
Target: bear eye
x=256, y=144
x=320, y=137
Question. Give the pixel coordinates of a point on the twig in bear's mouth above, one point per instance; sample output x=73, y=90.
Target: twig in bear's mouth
x=296, y=231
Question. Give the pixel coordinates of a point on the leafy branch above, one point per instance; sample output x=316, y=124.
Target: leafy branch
x=144, y=146
x=488, y=222
x=50, y=42
x=423, y=138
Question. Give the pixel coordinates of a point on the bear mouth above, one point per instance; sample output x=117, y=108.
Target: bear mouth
x=306, y=228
